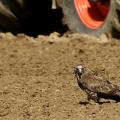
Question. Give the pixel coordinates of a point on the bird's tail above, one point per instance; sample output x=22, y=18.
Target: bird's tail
x=118, y=91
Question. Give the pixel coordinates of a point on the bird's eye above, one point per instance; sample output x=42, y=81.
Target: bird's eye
x=76, y=70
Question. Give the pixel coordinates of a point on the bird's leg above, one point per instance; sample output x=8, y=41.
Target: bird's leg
x=88, y=97
x=93, y=96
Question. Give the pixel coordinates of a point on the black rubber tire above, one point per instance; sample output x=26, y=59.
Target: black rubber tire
x=32, y=17
x=74, y=23
x=8, y=20
x=116, y=24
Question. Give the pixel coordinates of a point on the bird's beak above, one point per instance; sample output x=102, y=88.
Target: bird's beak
x=77, y=73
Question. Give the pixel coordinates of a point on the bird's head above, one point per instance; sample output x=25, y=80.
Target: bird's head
x=79, y=70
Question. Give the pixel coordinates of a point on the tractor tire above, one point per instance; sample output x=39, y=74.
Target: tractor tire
x=25, y=16
x=74, y=22
x=13, y=14
x=116, y=24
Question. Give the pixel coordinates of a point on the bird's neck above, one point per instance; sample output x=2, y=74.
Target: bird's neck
x=79, y=79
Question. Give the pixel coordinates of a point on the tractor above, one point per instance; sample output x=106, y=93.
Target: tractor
x=83, y=16
x=91, y=16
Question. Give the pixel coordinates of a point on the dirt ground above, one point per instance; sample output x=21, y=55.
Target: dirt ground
x=37, y=80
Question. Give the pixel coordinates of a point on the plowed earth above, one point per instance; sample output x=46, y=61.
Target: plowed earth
x=37, y=80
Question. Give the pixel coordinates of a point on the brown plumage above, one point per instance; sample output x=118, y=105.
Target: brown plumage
x=96, y=87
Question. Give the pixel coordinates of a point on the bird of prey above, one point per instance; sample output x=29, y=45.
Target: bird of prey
x=95, y=86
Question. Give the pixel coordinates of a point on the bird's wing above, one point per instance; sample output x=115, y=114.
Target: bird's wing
x=96, y=84
x=104, y=87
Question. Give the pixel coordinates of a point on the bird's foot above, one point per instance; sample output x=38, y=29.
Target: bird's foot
x=94, y=97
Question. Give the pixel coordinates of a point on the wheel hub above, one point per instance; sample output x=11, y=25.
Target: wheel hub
x=92, y=14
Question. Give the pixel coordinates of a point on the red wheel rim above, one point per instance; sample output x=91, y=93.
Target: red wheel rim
x=91, y=14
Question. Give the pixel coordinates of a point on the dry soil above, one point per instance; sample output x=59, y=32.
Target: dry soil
x=37, y=80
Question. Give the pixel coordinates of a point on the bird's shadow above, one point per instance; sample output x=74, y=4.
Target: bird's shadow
x=84, y=103
x=88, y=102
